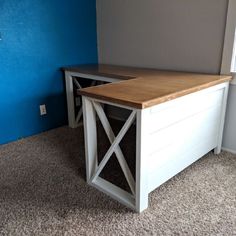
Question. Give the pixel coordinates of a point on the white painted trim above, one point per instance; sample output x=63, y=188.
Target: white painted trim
x=233, y=65
x=229, y=38
x=141, y=197
x=119, y=154
x=70, y=100
x=114, y=192
x=229, y=150
x=112, y=104
x=90, y=138
x=92, y=169
x=217, y=150
x=113, y=148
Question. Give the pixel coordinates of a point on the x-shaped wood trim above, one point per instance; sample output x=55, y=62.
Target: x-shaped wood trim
x=114, y=145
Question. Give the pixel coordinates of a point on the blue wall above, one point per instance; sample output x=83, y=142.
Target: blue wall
x=37, y=38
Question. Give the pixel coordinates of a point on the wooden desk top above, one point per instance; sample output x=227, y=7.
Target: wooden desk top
x=117, y=72
x=144, y=88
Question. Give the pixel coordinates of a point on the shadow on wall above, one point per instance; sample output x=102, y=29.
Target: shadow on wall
x=17, y=123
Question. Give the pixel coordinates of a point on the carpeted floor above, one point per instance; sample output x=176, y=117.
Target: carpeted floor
x=43, y=192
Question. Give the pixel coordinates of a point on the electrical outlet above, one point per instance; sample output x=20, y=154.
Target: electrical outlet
x=77, y=102
x=42, y=109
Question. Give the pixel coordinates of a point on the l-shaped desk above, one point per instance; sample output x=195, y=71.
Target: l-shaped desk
x=179, y=118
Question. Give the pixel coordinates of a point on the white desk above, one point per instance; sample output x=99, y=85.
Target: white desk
x=179, y=118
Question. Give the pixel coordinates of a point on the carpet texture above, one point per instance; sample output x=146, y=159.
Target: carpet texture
x=43, y=192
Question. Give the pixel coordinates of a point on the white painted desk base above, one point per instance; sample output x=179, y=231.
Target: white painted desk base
x=170, y=136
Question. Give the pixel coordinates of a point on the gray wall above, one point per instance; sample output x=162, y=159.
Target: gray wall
x=229, y=140
x=186, y=35
x=182, y=35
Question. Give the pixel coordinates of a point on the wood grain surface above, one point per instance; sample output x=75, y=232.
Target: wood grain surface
x=144, y=88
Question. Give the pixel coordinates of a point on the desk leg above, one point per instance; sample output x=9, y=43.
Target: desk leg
x=217, y=150
x=70, y=100
x=90, y=138
x=93, y=170
x=141, y=196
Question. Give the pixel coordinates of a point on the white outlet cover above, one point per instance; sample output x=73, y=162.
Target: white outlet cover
x=43, y=110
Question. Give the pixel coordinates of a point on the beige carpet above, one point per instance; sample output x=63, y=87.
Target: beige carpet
x=43, y=192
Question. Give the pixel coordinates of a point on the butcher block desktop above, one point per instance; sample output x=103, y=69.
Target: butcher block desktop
x=179, y=117
x=147, y=88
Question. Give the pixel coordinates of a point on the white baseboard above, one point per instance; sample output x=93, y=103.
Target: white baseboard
x=229, y=150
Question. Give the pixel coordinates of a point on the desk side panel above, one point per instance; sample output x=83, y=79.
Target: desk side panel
x=182, y=131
